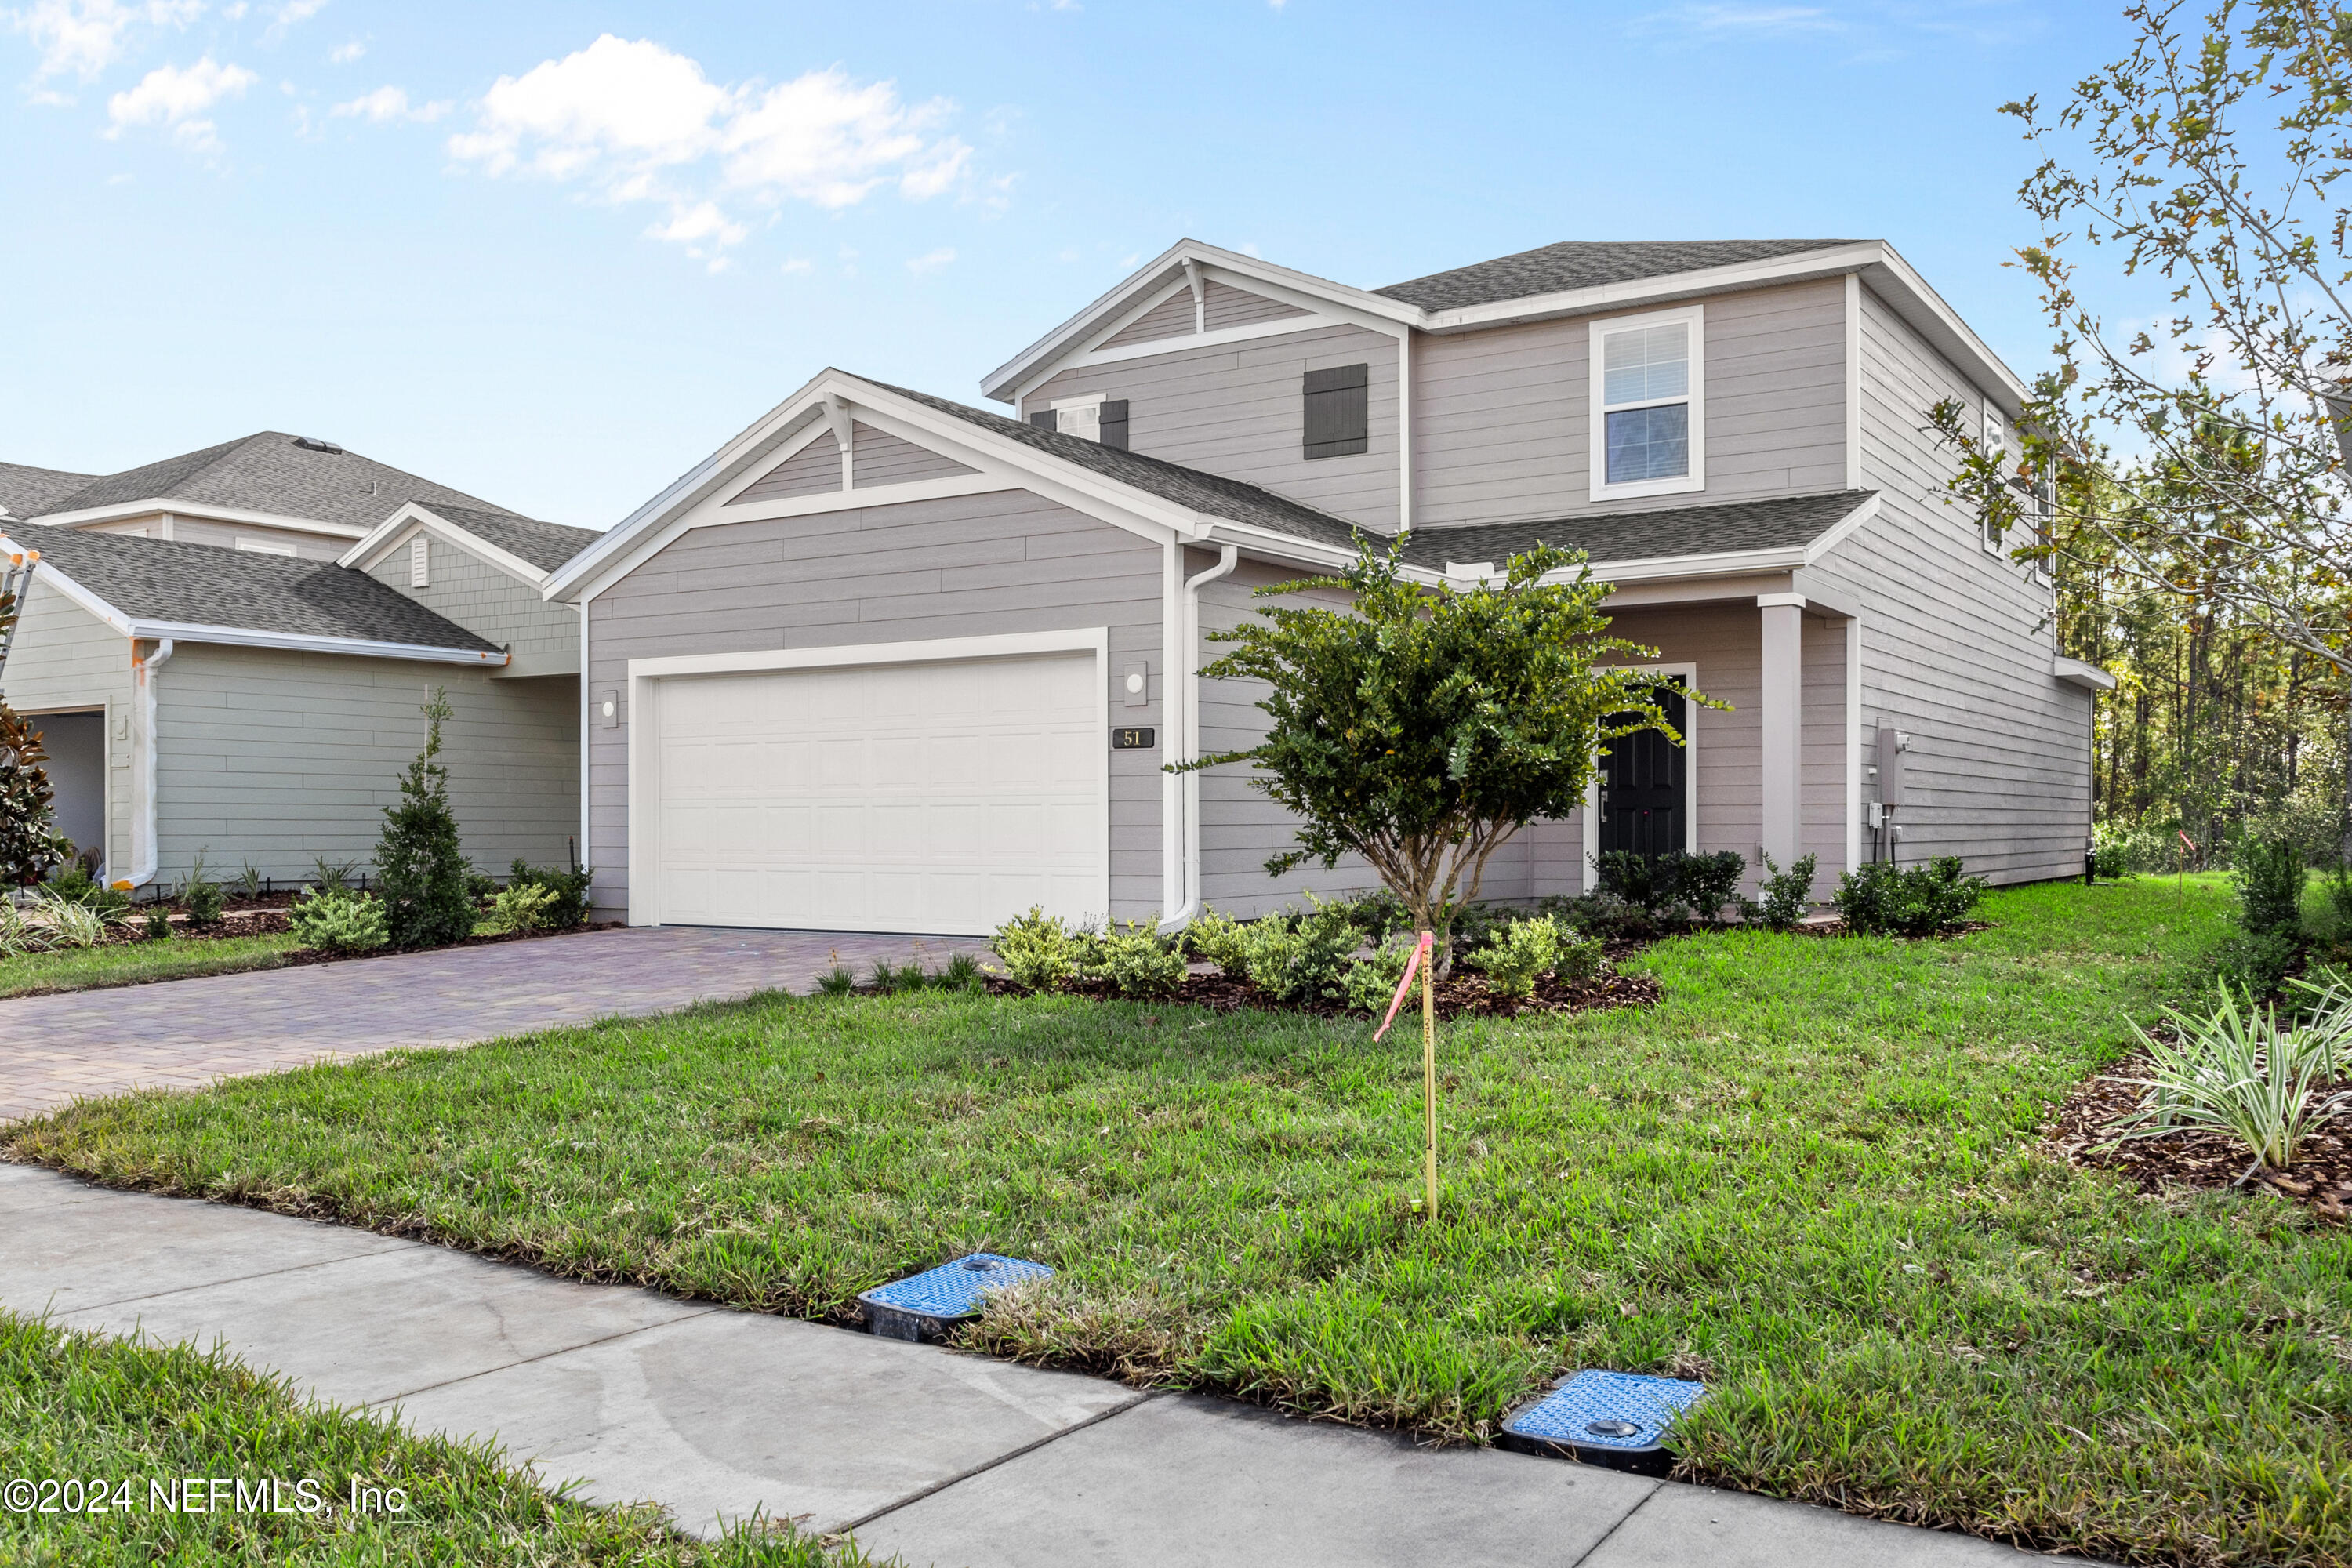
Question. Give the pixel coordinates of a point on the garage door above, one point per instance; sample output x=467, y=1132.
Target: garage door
x=903, y=798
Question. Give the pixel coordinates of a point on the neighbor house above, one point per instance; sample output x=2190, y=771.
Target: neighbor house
x=228, y=652
x=884, y=661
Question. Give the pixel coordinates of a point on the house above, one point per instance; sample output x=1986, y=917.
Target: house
x=884, y=661
x=227, y=652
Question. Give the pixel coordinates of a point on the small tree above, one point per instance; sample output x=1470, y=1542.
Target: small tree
x=30, y=843
x=425, y=901
x=1423, y=728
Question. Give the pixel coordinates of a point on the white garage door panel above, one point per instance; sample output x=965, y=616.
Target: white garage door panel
x=920, y=797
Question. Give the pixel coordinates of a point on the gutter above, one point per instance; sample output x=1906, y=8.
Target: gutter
x=1188, y=786
x=143, y=827
x=299, y=642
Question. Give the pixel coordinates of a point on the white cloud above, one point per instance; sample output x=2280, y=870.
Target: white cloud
x=388, y=105
x=1714, y=22
x=931, y=261
x=344, y=54
x=797, y=264
x=235, y=13
x=85, y=37
x=177, y=99
x=636, y=121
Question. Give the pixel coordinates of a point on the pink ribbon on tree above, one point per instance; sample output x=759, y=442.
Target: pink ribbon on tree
x=1420, y=956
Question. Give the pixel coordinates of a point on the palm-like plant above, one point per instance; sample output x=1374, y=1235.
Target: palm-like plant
x=2238, y=1071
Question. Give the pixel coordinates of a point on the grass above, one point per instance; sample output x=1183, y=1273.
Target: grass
x=135, y=963
x=1810, y=1174
x=77, y=1408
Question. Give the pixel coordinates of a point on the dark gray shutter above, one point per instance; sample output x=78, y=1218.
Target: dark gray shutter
x=1046, y=419
x=1114, y=424
x=1338, y=411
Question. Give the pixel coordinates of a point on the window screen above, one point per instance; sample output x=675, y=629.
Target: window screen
x=1338, y=411
x=1646, y=396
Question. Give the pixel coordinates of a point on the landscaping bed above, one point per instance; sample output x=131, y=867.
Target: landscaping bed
x=1812, y=1171
x=2187, y=1161
x=1457, y=995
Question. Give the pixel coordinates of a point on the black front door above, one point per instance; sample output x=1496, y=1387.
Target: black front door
x=1645, y=788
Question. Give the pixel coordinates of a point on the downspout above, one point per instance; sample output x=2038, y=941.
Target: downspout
x=149, y=849
x=1228, y=557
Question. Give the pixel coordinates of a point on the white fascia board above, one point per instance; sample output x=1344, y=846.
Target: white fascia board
x=48, y=576
x=2075, y=672
x=391, y=533
x=200, y=510
x=1245, y=271
x=1676, y=568
x=933, y=650
x=793, y=446
x=296, y=642
x=1837, y=534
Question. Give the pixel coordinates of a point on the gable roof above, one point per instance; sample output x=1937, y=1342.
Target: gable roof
x=174, y=588
x=1203, y=492
x=29, y=491
x=1585, y=263
x=1779, y=523
x=545, y=545
x=266, y=472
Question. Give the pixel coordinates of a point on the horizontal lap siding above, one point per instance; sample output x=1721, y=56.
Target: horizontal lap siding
x=1239, y=410
x=916, y=571
x=279, y=758
x=811, y=470
x=1172, y=318
x=1241, y=828
x=309, y=546
x=1499, y=428
x=882, y=459
x=1224, y=305
x=1957, y=643
x=483, y=599
x=66, y=658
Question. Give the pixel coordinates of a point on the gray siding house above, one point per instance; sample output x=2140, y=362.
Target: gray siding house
x=226, y=654
x=884, y=661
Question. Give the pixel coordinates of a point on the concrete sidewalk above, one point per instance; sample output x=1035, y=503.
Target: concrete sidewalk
x=934, y=1457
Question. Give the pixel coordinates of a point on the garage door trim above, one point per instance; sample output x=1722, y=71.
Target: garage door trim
x=643, y=717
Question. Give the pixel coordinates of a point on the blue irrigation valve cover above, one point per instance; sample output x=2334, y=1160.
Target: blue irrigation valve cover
x=1615, y=1418
x=919, y=1307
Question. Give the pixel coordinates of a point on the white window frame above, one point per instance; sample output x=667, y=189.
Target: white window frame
x=1996, y=445
x=253, y=546
x=1592, y=811
x=1596, y=485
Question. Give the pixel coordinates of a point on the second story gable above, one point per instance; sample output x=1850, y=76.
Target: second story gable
x=1576, y=379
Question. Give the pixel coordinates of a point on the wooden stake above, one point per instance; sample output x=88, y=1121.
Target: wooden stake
x=1429, y=1074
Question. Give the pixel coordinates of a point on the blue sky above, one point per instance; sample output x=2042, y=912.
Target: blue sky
x=554, y=254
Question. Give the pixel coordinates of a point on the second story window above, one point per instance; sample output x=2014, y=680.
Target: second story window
x=1097, y=418
x=1338, y=411
x=1647, y=405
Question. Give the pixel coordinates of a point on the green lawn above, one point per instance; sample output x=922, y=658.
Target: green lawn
x=133, y=963
x=75, y=1408
x=1808, y=1174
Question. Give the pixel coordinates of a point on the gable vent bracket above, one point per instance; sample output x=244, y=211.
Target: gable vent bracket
x=1199, y=287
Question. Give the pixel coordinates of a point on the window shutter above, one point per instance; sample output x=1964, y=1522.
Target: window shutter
x=1338, y=411
x=420, y=560
x=1046, y=419
x=1114, y=424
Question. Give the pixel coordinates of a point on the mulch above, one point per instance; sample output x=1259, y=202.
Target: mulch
x=1458, y=995
x=2205, y=1162
x=268, y=916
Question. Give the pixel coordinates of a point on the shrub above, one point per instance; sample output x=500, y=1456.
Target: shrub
x=1378, y=915
x=1787, y=894
x=839, y=981
x=518, y=910
x=50, y=922
x=1521, y=953
x=201, y=895
x=1040, y=952
x=891, y=979
x=1142, y=962
x=1475, y=926
x=1710, y=883
x=1602, y=915
x=1220, y=940
x=567, y=906
x=2236, y=1071
x=962, y=973
x=2268, y=868
x=1648, y=882
x=1579, y=956
x=338, y=920
x=426, y=902
x=1301, y=959
x=2111, y=853
x=108, y=903
x=30, y=843
x=1907, y=901
x=157, y=927
x=1370, y=981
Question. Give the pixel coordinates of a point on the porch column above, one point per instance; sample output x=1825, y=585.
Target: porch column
x=1780, y=711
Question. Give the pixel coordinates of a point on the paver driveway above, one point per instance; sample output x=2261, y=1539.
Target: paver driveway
x=182, y=1033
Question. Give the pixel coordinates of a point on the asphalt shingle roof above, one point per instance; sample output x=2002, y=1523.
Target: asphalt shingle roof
x=1779, y=523
x=202, y=585
x=545, y=545
x=1229, y=498
x=267, y=472
x=1583, y=264
x=29, y=491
